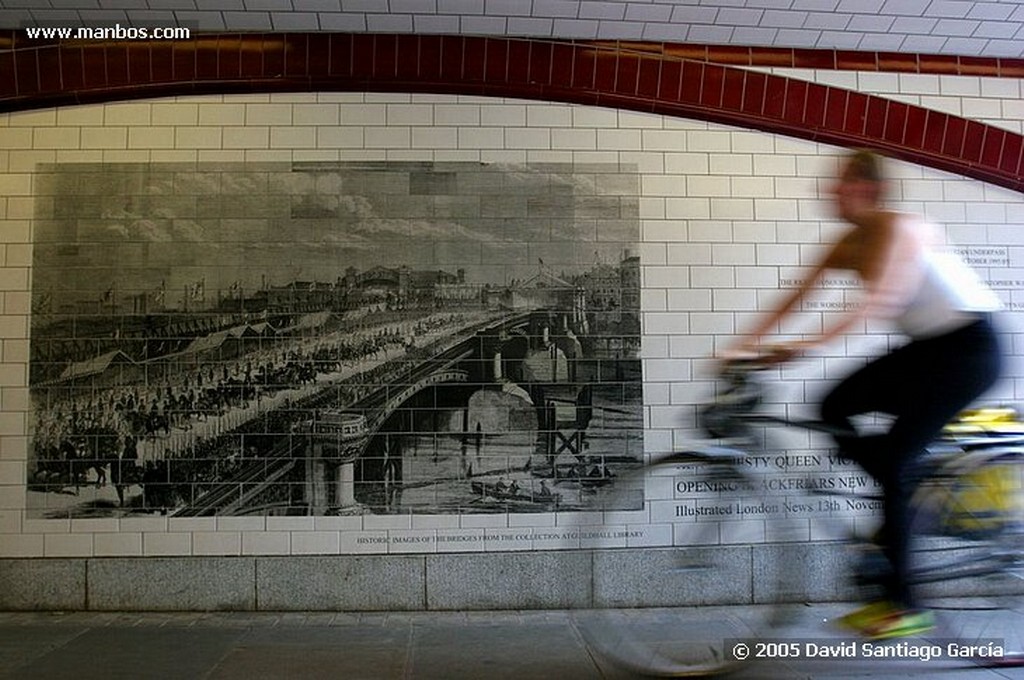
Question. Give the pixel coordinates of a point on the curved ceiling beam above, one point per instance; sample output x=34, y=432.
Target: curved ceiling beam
x=657, y=78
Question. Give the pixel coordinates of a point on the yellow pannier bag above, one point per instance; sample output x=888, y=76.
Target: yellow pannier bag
x=975, y=488
x=984, y=498
x=982, y=421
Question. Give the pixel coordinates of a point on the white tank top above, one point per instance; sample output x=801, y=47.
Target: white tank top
x=950, y=295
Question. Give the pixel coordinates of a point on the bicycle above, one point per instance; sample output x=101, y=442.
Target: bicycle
x=746, y=531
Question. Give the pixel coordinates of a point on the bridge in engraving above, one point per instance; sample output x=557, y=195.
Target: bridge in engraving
x=333, y=444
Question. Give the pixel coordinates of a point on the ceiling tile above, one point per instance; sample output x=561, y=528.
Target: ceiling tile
x=109, y=17
x=925, y=44
x=881, y=41
x=199, y=21
x=460, y=6
x=827, y=21
x=529, y=26
x=694, y=15
x=649, y=13
x=860, y=6
x=247, y=21
x=783, y=19
x=968, y=27
x=797, y=37
x=956, y=27
x=51, y=17
x=351, y=22
x=74, y=4
x=838, y=40
x=739, y=17
x=364, y=6
x=561, y=9
x=950, y=8
x=957, y=45
x=905, y=8
x=412, y=6
x=751, y=35
x=816, y=5
x=709, y=34
x=432, y=23
x=484, y=25
x=269, y=5
x=922, y=26
x=604, y=10
x=208, y=5
x=295, y=21
x=620, y=30
x=991, y=10
x=870, y=23
x=573, y=28
x=508, y=8
x=996, y=29
x=15, y=18
x=1004, y=48
x=389, y=23
x=314, y=5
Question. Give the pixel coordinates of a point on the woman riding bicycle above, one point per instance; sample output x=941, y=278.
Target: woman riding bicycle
x=951, y=358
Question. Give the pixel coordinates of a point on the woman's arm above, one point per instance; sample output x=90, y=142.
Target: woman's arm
x=883, y=254
x=887, y=263
x=752, y=339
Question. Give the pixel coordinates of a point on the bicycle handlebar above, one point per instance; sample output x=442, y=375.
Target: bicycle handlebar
x=723, y=417
x=733, y=410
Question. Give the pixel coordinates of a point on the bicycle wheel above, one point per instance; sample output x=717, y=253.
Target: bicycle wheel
x=682, y=572
x=969, y=557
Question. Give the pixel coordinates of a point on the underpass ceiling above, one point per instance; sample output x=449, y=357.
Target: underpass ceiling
x=953, y=27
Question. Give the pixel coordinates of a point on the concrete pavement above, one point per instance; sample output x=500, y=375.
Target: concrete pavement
x=374, y=646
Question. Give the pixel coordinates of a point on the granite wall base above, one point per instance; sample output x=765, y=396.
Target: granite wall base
x=464, y=581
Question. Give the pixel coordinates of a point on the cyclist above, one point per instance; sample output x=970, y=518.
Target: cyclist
x=951, y=358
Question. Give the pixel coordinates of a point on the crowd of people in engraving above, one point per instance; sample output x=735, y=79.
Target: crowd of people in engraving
x=178, y=439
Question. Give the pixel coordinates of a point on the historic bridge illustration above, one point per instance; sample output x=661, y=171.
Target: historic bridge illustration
x=327, y=338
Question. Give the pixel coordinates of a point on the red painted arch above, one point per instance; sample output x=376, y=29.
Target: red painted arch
x=698, y=82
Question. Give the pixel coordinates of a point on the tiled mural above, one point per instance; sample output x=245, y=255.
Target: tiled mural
x=332, y=338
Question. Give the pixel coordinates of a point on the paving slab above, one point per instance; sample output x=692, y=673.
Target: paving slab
x=449, y=645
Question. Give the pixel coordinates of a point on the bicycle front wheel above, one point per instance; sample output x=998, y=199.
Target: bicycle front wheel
x=684, y=594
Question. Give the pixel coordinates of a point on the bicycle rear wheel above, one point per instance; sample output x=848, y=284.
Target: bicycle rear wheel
x=675, y=598
x=970, y=556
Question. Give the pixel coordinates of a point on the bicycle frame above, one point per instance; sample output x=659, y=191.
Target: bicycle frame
x=734, y=412
x=726, y=548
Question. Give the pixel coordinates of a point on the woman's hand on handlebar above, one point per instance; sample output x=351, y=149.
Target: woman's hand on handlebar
x=780, y=353
x=764, y=354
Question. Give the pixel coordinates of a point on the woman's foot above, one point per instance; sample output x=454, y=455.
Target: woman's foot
x=884, y=620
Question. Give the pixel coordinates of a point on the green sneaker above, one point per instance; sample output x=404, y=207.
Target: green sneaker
x=869, y=614
x=900, y=624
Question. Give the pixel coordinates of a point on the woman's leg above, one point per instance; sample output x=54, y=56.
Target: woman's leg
x=924, y=385
x=881, y=386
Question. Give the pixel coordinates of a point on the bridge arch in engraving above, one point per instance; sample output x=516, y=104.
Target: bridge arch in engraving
x=348, y=460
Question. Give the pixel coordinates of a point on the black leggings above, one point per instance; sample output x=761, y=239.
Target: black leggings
x=924, y=384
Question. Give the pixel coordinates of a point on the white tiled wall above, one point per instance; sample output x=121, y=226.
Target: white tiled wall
x=727, y=217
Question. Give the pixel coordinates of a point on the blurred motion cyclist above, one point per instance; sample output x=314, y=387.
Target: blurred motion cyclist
x=951, y=357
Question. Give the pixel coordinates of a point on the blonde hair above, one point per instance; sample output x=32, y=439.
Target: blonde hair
x=866, y=165
x=863, y=165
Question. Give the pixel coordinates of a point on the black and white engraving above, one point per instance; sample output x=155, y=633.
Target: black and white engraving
x=332, y=338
